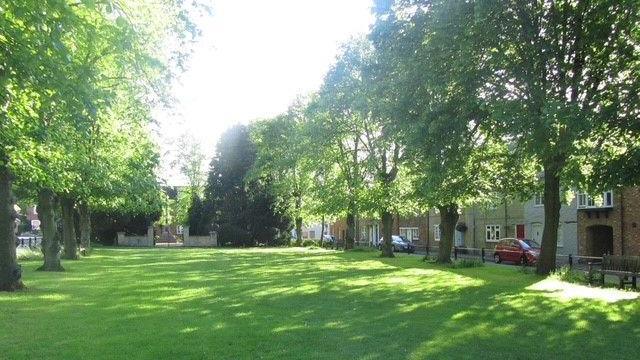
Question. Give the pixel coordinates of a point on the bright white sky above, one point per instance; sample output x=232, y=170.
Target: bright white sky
x=252, y=60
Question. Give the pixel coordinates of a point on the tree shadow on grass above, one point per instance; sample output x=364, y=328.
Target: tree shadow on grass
x=303, y=304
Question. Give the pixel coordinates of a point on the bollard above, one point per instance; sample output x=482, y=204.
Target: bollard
x=29, y=242
x=482, y=251
x=570, y=261
x=455, y=253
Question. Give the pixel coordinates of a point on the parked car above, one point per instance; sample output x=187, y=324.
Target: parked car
x=399, y=243
x=519, y=251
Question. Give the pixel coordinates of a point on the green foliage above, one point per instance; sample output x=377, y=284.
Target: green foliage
x=569, y=275
x=29, y=254
x=198, y=221
x=309, y=243
x=106, y=224
x=243, y=210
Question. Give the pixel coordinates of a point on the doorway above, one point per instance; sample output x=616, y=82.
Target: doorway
x=599, y=240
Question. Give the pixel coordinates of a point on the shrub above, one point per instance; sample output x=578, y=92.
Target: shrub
x=30, y=254
x=568, y=275
x=466, y=263
x=308, y=242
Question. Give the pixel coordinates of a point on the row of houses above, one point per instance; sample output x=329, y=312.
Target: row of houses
x=589, y=226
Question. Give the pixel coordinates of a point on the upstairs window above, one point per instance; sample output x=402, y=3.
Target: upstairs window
x=586, y=201
x=538, y=200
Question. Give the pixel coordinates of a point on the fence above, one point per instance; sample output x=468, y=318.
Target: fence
x=577, y=262
x=35, y=241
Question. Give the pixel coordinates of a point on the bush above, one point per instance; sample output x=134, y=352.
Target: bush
x=526, y=269
x=568, y=275
x=30, y=254
x=308, y=242
x=466, y=263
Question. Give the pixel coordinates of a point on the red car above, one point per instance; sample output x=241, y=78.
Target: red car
x=519, y=251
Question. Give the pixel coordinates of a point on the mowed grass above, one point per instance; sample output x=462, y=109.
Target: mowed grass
x=301, y=304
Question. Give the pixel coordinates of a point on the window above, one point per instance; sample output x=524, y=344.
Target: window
x=410, y=233
x=586, y=201
x=538, y=200
x=560, y=236
x=493, y=233
x=312, y=234
x=436, y=232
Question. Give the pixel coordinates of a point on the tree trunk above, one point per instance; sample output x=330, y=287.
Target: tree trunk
x=50, y=235
x=322, y=231
x=448, y=220
x=547, y=259
x=351, y=230
x=10, y=271
x=299, y=230
x=85, y=228
x=68, y=230
x=387, y=232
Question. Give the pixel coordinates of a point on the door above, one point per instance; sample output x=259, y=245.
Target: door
x=536, y=232
x=459, y=239
x=520, y=231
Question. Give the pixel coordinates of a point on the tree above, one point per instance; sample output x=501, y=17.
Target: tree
x=241, y=210
x=284, y=157
x=430, y=60
x=337, y=131
x=67, y=72
x=564, y=86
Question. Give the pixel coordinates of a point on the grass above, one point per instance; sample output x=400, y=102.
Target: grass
x=305, y=304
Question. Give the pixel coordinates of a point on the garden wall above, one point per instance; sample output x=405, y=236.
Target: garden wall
x=136, y=240
x=199, y=241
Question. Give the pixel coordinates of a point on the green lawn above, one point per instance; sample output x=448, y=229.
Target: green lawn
x=302, y=304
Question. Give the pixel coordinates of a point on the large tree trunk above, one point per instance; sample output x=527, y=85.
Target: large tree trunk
x=547, y=259
x=10, y=272
x=85, y=228
x=299, y=230
x=448, y=220
x=68, y=230
x=387, y=232
x=351, y=231
x=50, y=235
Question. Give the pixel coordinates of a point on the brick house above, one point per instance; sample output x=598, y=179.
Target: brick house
x=412, y=227
x=609, y=223
x=477, y=227
x=480, y=227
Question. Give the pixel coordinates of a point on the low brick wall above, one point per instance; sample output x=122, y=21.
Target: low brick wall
x=200, y=241
x=136, y=240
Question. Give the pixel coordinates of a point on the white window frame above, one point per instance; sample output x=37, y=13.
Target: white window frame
x=538, y=200
x=493, y=233
x=413, y=230
x=436, y=232
x=586, y=201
